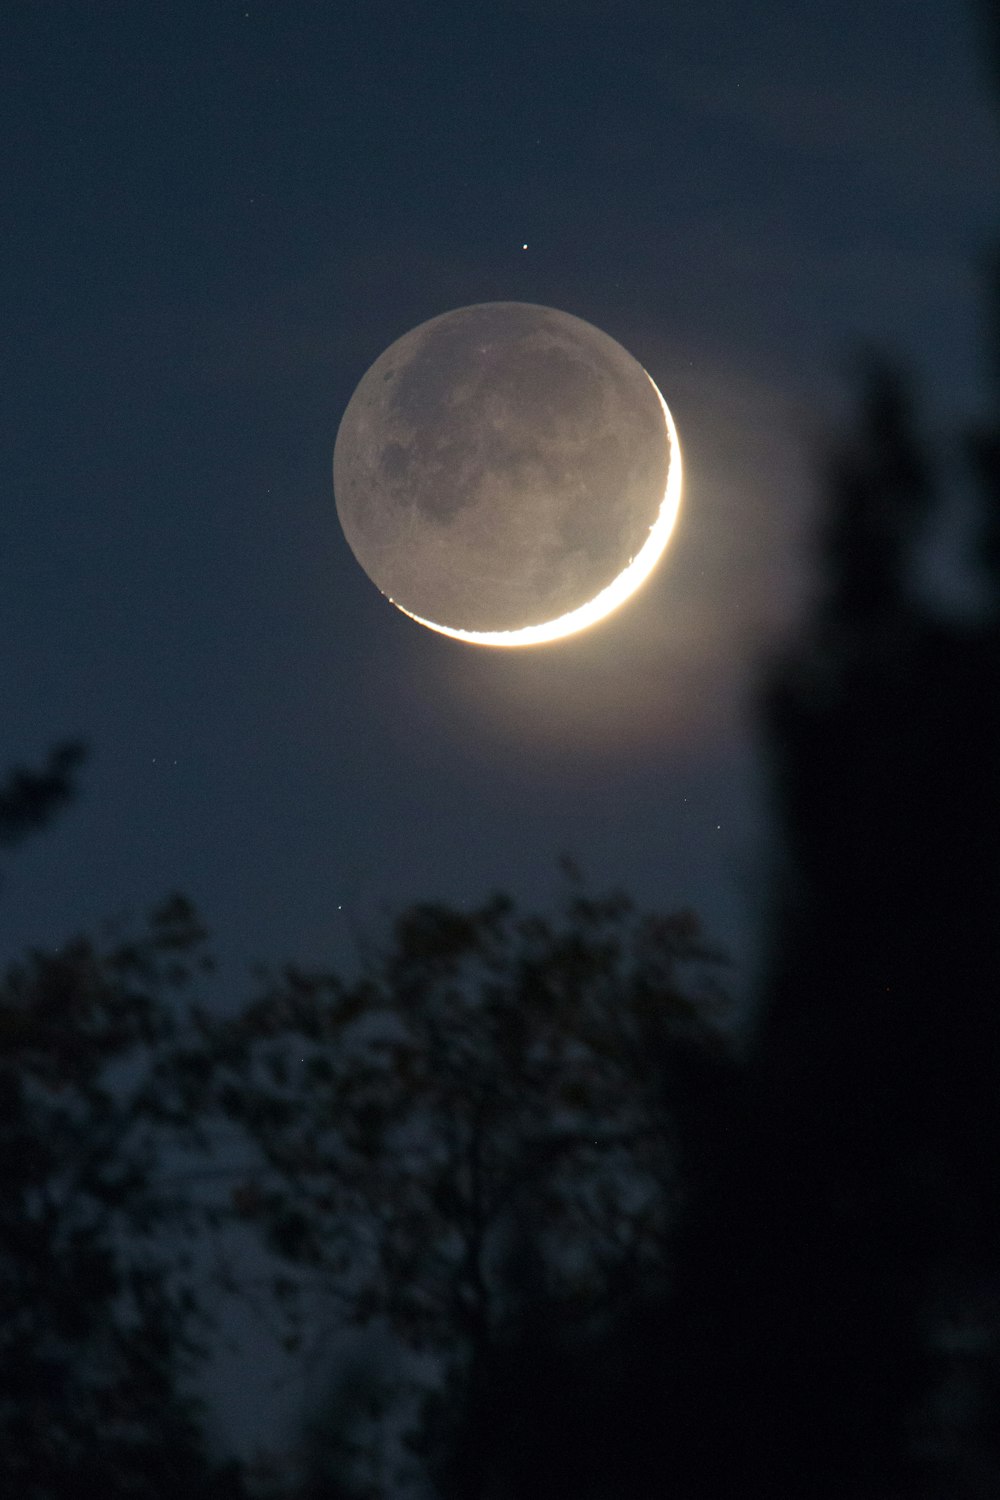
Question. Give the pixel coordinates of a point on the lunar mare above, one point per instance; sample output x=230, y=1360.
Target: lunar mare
x=507, y=474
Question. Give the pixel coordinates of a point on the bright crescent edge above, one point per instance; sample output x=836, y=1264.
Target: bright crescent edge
x=616, y=592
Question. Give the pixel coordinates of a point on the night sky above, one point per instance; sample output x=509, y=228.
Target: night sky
x=218, y=215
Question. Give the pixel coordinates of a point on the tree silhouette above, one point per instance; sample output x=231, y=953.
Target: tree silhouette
x=860, y=1196
x=30, y=799
x=98, y=1323
x=494, y=1112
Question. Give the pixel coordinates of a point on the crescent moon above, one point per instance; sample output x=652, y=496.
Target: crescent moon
x=631, y=578
x=507, y=474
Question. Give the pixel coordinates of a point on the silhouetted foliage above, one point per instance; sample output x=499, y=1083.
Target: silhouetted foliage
x=493, y=1113
x=862, y=1197
x=30, y=799
x=98, y=1321
x=346, y=1452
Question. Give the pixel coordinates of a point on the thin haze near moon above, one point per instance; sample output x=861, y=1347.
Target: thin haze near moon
x=507, y=474
x=617, y=592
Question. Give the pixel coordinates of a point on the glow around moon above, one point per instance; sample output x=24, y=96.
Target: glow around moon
x=507, y=474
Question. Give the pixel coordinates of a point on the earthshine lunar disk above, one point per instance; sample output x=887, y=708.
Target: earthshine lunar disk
x=507, y=474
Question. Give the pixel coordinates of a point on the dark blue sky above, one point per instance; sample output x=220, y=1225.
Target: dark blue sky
x=219, y=215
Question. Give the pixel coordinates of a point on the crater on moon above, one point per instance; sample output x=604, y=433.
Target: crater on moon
x=500, y=465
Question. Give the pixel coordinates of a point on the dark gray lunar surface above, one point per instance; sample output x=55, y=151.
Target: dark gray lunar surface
x=499, y=465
